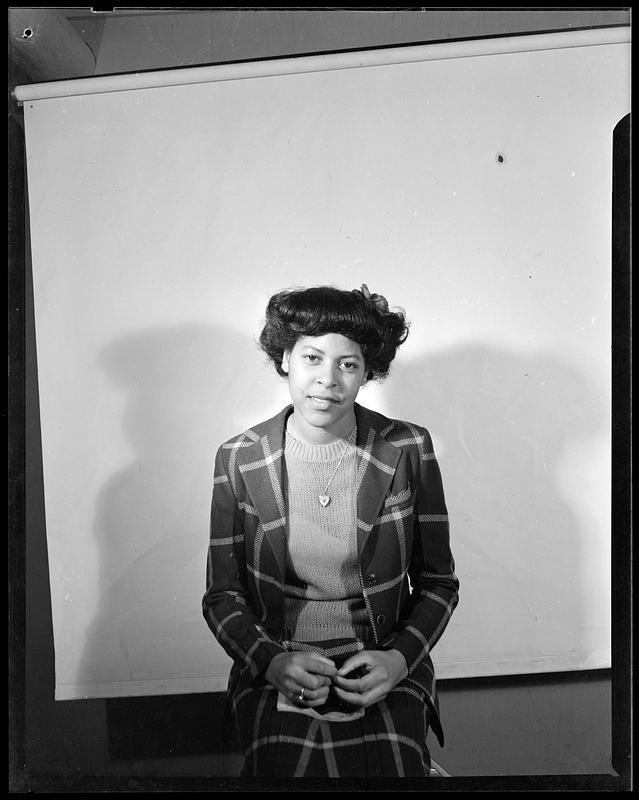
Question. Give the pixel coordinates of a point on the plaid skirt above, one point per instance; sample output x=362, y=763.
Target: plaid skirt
x=388, y=740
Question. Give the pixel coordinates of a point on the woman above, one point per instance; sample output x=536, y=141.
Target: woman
x=329, y=574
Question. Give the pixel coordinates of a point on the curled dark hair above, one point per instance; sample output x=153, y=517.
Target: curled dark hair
x=363, y=317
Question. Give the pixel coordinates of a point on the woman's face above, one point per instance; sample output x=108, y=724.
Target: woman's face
x=325, y=373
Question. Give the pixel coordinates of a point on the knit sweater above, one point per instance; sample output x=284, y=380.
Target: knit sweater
x=323, y=596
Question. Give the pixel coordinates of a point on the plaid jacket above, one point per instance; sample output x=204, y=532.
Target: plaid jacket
x=406, y=567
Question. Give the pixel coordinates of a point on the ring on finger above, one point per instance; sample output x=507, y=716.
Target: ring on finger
x=300, y=696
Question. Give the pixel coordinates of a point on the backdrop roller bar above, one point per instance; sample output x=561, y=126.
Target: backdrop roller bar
x=322, y=63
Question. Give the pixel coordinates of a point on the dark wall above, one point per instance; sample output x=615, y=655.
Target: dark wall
x=524, y=725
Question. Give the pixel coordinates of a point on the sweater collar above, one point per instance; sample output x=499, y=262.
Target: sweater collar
x=262, y=466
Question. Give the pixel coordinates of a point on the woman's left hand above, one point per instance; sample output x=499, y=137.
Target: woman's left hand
x=384, y=669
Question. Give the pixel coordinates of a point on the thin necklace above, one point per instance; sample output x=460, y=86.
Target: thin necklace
x=324, y=498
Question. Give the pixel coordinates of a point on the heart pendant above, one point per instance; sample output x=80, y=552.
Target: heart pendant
x=324, y=499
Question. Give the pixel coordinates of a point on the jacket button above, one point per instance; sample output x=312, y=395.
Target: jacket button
x=371, y=578
x=381, y=619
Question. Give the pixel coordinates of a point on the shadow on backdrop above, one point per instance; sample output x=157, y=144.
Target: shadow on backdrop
x=503, y=421
x=183, y=387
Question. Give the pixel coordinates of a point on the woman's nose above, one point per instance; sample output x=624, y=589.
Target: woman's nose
x=327, y=377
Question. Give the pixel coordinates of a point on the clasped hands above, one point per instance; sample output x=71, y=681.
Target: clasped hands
x=363, y=679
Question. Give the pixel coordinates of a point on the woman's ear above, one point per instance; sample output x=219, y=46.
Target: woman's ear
x=285, y=360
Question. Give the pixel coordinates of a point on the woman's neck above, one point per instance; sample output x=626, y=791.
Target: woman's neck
x=311, y=434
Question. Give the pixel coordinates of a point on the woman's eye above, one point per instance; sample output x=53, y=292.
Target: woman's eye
x=312, y=358
x=350, y=365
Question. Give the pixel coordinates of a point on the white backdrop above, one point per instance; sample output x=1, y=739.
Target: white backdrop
x=162, y=220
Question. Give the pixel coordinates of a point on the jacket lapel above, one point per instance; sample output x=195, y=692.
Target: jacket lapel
x=375, y=472
x=262, y=467
x=263, y=472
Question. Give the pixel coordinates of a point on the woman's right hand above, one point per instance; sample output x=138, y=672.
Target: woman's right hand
x=305, y=674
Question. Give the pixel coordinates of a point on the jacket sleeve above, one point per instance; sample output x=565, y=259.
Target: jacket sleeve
x=226, y=604
x=431, y=568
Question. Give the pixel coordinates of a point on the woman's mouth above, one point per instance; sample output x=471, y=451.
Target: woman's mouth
x=322, y=403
